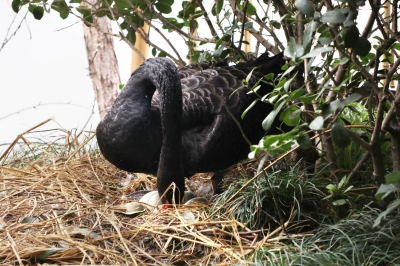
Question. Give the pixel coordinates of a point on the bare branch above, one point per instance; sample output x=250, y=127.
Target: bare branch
x=40, y=105
x=6, y=38
x=256, y=34
x=209, y=23
x=178, y=30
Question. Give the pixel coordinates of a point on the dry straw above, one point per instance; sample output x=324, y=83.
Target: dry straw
x=60, y=202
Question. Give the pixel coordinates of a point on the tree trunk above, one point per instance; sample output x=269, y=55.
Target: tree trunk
x=103, y=64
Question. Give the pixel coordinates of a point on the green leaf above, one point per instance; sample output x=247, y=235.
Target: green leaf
x=197, y=14
x=175, y=22
x=343, y=60
x=343, y=182
x=82, y=9
x=332, y=188
x=351, y=37
x=334, y=16
x=296, y=94
x=225, y=53
x=309, y=33
x=217, y=53
x=269, y=76
x=331, y=107
x=193, y=25
x=317, y=51
x=249, y=75
x=339, y=202
x=248, y=108
x=308, y=98
x=122, y=5
x=363, y=46
x=305, y=7
x=352, y=98
x=385, y=190
x=396, y=46
x=277, y=25
x=87, y=18
x=131, y=36
x=317, y=123
x=391, y=207
x=61, y=7
x=75, y=1
x=248, y=25
x=269, y=140
x=16, y=5
x=291, y=116
x=162, y=54
x=101, y=12
x=48, y=253
x=217, y=7
x=250, y=9
x=38, y=12
x=294, y=50
x=267, y=123
x=392, y=178
x=164, y=6
x=350, y=18
x=304, y=141
x=324, y=40
x=340, y=135
x=188, y=8
x=31, y=8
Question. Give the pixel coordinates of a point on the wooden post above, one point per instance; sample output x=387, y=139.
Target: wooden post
x=143, y=47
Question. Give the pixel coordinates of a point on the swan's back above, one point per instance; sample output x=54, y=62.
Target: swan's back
x=211, y=139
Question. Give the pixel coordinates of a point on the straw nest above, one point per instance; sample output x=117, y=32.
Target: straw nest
x=61, y=202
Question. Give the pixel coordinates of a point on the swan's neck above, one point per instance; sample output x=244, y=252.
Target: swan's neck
x=161, y=75
x=170, y=170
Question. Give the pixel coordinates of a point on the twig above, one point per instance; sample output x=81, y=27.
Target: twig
x=6, y=38
x=178, y=30
x=209, y=23
x=39, y=105
x=14, y=248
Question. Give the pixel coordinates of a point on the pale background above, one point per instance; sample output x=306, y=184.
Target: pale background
x=46, y=63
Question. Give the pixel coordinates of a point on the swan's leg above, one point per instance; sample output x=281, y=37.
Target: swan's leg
x=217, y=182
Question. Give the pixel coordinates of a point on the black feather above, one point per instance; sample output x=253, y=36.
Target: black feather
x=171, y=122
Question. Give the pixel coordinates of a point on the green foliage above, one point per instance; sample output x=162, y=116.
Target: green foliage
x=384, y=191
x=255, y=206
x=340, y=192
x=351, y=241
x=61, y=7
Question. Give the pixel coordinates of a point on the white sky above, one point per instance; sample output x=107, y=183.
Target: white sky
x=43, y=64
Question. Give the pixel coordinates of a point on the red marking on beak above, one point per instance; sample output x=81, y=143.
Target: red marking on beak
x=166, y=205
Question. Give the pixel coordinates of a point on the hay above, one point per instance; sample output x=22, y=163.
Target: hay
x=60, y=202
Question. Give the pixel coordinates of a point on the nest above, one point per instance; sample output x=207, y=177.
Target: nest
x=62, y=202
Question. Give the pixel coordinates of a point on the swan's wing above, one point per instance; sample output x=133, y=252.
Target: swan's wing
x=209, y=92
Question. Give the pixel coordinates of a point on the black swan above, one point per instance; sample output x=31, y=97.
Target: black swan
x=172, y=123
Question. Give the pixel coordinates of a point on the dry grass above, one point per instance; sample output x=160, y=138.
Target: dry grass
x=60, y=203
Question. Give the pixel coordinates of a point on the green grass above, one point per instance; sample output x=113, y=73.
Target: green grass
x=275, y=196
x=351, y=241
